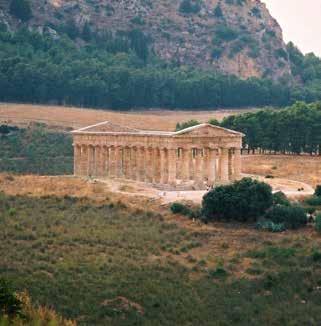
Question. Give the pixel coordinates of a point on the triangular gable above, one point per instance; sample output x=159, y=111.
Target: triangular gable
x=106, y=126
x=209, y=130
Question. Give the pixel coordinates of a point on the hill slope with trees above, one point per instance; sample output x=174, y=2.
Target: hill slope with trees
x=233, y=36
x=55, y=52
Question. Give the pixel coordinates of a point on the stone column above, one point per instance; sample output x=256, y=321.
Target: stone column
x=237, y=164
x=186, y=156
x=230, y=163
x=112, y=162
x=90, y=160
x=77, y=159
x=149, y=165
x=172, y=158
x=133, y=163
x=118, y=162
x=125, y=162
x=163, y=166
x=155, y=164
x=224, y=165
x=199, y=166
x=84, y=160
x=210, y=166
x=98, y=161
x=140, y=164
x=105, y=161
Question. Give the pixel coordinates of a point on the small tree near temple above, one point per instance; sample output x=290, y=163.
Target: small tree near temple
x=244, y=200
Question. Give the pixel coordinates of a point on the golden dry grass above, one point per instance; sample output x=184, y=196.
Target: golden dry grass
x=302, y=168
x=71, y=117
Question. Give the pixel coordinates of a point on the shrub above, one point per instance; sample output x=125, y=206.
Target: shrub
x=10, y=305
x=179, y=208
x=293, y=217
x=226, y=33
x=317, y=191
x=318, y=223
x=313, y=201
x=279, y=198
x=267, y=225
x=189, y=7
x=218, y=13
x=241, y=201
x=316, y=255
x=21, y=9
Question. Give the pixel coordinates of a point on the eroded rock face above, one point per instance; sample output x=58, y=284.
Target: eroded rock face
x=234, y=36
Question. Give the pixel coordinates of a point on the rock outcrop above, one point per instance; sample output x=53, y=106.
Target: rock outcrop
x=237, y=37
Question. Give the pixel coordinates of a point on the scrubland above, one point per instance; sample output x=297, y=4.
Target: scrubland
x=98, y=258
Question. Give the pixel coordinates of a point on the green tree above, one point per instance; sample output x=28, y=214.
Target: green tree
x=21, y=9
x=86, y=32
x=242, y=201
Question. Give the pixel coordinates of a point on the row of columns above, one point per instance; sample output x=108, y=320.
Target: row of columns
x=158, y=165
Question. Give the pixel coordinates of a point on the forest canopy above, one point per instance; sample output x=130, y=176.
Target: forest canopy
x=119, y=72
x=292, y=130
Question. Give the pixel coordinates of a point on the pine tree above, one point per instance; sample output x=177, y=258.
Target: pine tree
x=86, y=32
x=21, y=9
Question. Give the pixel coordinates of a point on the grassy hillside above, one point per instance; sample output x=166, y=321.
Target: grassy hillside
x=36, y=150
x=116, y=265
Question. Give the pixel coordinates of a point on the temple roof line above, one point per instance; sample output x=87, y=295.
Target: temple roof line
x=108, y=127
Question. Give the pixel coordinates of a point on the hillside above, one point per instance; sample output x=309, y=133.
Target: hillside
x=188, y=54
x=113, y=263
x=233, y=36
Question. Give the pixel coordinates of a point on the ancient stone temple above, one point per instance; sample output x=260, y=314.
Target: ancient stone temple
x=195, y=157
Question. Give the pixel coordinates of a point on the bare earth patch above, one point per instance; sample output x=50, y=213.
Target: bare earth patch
x=303, y=168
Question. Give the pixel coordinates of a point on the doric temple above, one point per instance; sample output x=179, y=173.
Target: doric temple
x=196, y=157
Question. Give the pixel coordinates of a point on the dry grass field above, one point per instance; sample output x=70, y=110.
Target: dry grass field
x=70, y=117
x=302, y=168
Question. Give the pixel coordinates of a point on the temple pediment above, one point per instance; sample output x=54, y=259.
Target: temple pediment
x=107, y=126
x=208, y=130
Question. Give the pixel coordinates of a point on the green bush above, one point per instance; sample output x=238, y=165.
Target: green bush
x=293, y=217
x=226, y=33
x=317, y=191
x=10, y=305
x=316, y=255
x=267, y=225
x=313, y=201
x=189, y=7
x=318, y=223
x=21, y=9
x=279, y=198
x=241, y=201
x=179, y=208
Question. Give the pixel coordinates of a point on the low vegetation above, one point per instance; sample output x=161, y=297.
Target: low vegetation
x=16, y=309
x=35, y=150
x=77, y=257
x=292, y=217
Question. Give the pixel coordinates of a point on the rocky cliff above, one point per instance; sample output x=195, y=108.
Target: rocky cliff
x=234, y=36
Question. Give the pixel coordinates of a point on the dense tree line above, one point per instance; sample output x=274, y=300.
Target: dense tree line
x=118, y=71
x=294, y=130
